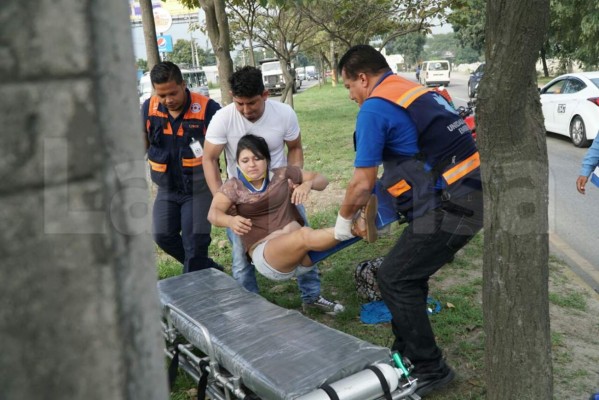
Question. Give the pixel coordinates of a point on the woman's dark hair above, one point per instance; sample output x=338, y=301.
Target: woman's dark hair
x=255, y=144
x=164, y=72
x=246, y=82
x=362, y=58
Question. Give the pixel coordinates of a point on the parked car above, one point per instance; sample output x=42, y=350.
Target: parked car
x=474, y=80
x=570, y=105
x=435, y=72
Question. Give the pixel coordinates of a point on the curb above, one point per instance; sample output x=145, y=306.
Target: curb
x=581, y=270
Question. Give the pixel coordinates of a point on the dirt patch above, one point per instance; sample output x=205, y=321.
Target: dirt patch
x=320, y=201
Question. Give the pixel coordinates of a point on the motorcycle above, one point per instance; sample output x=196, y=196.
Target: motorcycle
x=467, y=113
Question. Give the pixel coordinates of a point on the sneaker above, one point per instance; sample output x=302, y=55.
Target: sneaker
x=322, y=304
x=428, y=382
x=364, y=222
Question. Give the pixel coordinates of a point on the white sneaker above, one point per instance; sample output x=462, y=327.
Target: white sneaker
x=322, y=304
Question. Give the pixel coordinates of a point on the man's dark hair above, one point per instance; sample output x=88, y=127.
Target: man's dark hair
x=256, y=144
x=164, y=72
x=246, y=82
x=362, y=58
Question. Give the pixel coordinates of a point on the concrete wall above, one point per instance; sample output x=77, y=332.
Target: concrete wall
x=79, y=316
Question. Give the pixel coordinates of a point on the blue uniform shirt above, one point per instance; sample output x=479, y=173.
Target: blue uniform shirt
x=382, y=126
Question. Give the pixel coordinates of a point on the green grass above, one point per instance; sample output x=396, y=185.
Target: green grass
x=327, y=118
x=573, y=300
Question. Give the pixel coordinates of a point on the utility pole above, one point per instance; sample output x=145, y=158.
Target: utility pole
x=147, y=20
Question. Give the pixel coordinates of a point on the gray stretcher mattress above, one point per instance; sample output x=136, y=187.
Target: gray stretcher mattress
x=278, y=353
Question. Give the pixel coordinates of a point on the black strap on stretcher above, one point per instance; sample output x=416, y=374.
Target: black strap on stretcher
x=329, y=391
x=384, y=385
x=173, y=370
x=203, y=382
x=382, y=380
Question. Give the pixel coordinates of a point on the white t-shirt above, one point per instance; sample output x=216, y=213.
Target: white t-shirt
x=278, y=124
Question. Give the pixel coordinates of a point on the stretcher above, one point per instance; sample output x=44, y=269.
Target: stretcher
x=237, y=345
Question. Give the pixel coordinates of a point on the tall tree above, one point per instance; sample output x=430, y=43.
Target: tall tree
x=182, y=53
x=349, y=22
x=217, y=25
x=515, y=183
x=283, y=30
x=149, y=28
x=243, y=21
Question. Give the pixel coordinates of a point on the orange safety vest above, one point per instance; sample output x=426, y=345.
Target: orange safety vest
x=448, y=156
x=172, y=162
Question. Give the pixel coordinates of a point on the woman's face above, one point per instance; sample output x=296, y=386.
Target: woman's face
x=253, y=166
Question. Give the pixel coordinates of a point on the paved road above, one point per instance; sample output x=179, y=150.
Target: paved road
x=573, y=218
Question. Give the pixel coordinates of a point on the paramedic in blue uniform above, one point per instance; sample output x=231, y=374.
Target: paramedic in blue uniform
x=175, y=122
x=431, y=166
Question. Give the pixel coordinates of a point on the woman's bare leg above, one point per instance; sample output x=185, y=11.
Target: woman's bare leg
x=287, y=250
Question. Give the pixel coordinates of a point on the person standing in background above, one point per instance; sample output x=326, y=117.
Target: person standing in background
x=175, y=122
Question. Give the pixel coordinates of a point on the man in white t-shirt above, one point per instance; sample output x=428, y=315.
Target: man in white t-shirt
x=252, y=112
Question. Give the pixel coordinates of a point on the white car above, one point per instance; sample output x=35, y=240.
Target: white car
x=571, y=106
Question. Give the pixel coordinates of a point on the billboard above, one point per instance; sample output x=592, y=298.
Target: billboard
x=173, y=7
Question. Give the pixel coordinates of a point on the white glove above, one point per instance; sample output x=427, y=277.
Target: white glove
x=343, y=228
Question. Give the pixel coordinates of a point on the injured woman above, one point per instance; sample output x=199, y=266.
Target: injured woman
x=259, y=206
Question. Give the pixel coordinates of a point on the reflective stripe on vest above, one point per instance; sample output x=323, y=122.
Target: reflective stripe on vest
x=191, y=162
x=197, y=100
x=157, y=166
x=462, y=169
x=389, y=88
x=408, y=97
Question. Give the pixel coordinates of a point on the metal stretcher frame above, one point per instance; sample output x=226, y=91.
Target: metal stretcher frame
x=245, y=347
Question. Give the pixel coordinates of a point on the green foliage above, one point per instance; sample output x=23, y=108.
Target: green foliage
x=447, y=46
x=142, y=64
x=182, y=54
x=410, y=46
x=574, y=31
x=468, y=20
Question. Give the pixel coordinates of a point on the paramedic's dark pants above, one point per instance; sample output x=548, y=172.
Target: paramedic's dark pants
x=181, y=227
x=425, y=245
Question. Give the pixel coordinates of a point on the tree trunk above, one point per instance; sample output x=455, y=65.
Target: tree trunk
x=217, y=25
x=147, y=19
x=515, y=182
x=333, y=64
x=287, y=94
x=544, y=61
x=252, y=55
x=79, y=315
